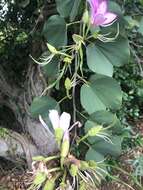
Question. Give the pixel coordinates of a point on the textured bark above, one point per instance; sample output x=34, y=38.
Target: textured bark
x=18, y=99
x=14, y=146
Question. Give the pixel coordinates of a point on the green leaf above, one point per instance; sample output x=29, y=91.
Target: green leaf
x=41, y=105
x=114, y=7
x=106, y=148
x=88, y=125
x=93, y=155
x=141, y=26
x=75, y=9
x=107, y=118
x=51, y=69
x=24, y=3
x=101, y=57
x=116, y=53
x=68, y=8
x=97, y=61
x=55, y=31
x=102, y=92
x=103, y=117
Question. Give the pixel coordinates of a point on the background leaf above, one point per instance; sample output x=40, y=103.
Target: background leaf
x=97, y=61
x=41, y=106
x=141, y=26
x=55, y=31
x=102, y=92
x=68, y=8
x=93, y=155
x=106, y=148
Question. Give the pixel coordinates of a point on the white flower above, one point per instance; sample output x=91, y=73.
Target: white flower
x=62, y=121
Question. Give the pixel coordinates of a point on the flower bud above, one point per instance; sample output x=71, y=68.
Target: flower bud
x=52, y=49
x=65, y=147
x=85, y=17
x=74, y=170
x=67, y=60
x=84, y=165
x=59, y=135
x=94, y=130
x=50, y=184
x=68, y=84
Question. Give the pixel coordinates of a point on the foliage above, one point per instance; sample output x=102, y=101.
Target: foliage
x=81, y=63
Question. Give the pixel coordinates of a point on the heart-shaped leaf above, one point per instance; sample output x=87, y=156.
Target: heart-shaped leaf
x=68, y=8
x=101, y=93
x=55, y=31
x=41, y=106
x=101, y=57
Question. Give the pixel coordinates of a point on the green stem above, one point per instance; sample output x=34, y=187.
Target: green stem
x=52, y=85
x=51, y=158
x=72, y=23
x=82, y=139
x=54, y=169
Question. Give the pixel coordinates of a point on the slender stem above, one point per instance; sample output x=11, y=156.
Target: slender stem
x=64, y=98
x=51, y=158
x=53, y=84
x=69, y=24
x=54, y=169
x=82, y=139
x=74, y=86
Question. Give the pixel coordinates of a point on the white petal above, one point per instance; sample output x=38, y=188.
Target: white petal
x=54, y=118
x=65, y=121
x=43, y=122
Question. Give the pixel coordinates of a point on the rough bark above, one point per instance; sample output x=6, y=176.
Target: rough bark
x=18, y=100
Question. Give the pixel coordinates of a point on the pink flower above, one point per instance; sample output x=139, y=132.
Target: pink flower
x=100, y=16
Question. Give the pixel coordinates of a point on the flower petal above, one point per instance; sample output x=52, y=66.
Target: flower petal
x=98, y=20
x=102, y=7
x=54, y=118
x=94, y=5
x=65, y=121
x=66, y=136
x=109, y=18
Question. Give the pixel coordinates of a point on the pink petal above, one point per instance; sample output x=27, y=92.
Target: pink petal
x=109, y=18
x=94, y=5
x=98, y=19
x=102, y=7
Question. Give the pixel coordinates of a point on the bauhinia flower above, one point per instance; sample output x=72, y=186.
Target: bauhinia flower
x=100, y=16
x=60, y=124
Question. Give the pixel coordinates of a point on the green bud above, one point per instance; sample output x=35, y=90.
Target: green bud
x=52, y=49
x=65, y=148
x=85, y=17
x=95, y=35
x=50, y=184
x=84, y=165
x=74, y=170
x=77, y=39
x=68, y=84
x=39, y=178
x=94, y=130
x=67, y=60
x=92, y=164
x=59, y=135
